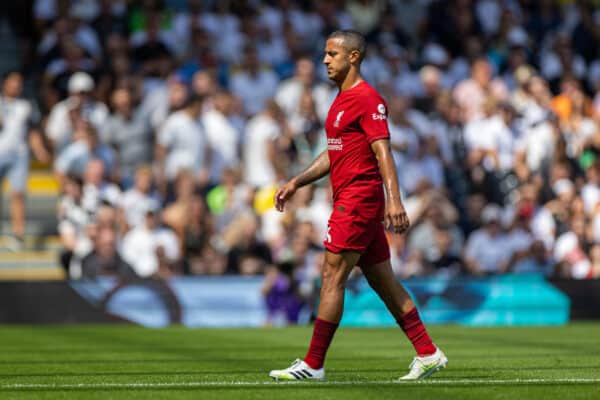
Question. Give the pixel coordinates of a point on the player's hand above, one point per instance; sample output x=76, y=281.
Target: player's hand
x=283, y=194
x=396, y=219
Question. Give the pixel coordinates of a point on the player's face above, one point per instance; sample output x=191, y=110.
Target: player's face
x=336, y=60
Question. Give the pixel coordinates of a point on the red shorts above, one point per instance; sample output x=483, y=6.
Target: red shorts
x=347, y=232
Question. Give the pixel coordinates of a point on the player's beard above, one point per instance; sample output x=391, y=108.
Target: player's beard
x=338, y=75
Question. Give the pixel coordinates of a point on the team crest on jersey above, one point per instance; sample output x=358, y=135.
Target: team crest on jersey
x=338, y=118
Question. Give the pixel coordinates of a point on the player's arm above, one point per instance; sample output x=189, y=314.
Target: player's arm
x=395, y=214
x=315, y=171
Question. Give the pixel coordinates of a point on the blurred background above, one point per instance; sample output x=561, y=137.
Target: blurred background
x=141, y=143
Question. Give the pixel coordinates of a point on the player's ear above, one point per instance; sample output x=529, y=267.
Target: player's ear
x=354, y=56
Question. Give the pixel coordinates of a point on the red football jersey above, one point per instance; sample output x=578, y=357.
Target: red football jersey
x=357, y=118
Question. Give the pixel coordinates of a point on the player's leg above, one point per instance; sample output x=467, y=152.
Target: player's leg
x=397, y=300
x=336, y=268
x=429, y=358
x=376, y=267
x=17, y=214
x=17, y=175
x=334, y=274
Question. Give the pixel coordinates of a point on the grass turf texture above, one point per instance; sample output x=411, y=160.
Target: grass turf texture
x=127, y=362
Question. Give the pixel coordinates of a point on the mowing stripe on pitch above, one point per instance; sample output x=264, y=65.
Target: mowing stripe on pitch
x=183, y=385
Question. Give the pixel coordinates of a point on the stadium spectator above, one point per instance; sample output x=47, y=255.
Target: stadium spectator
x=542, y=224
x=129, y=132
x=105, y=259
x=78, y=107
x=154, y=46
x=152, y=250
x=182, y=144
x=516, y=223
x=97, y=190
x=572, y=261
x=18, y=119
x=472, y=93
x=86, y=145
x=200, y=256
x=486, y=250
x=264, y=140
x=436, y=243
x=229, y=198
x=141, y=197
x=221, y=135
x=534, y=149
x=164, y=97
x=247, y=254
x=534, y=259
x=252, y=83
x=73, y=221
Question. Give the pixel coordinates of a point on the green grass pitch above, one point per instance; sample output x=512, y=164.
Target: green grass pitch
x=127, y=362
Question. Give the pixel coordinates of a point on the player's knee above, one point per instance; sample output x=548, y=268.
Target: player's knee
x=17, y=196
x=332, y=278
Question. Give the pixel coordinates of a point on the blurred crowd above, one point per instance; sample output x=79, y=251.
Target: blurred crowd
x=169, y=125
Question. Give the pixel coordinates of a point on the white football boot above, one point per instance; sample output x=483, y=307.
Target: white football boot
x=298, y=371
x=424, y=367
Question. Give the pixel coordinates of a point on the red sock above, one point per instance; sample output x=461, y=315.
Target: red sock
x=323, y=332
x=415, y=331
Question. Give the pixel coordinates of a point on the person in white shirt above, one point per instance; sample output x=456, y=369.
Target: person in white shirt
x=542, y=224
x=487, y=250
x=182, y=143
x=536, y=144
x=471, y=93
x=97, y=190
x=262, y=131
x=139, y=198
x=150, y=249
x=590, y=192
x=490, y=140
x=222, y=136
x=73, y=221
x=78, y=106
x=252, y=84
x=16, y=127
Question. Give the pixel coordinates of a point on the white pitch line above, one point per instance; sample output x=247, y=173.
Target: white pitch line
x=174, y=385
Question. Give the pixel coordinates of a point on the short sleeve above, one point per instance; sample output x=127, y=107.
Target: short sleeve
x=374, y=118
